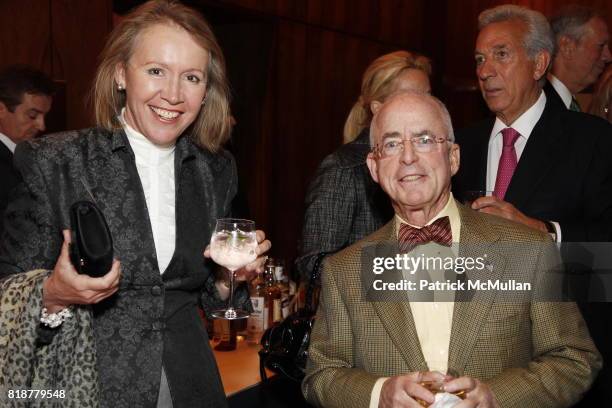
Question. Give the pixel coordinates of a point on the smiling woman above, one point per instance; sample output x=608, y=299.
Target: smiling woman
x=156, y=169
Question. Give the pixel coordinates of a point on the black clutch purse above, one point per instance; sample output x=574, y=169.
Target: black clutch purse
x=91, y=250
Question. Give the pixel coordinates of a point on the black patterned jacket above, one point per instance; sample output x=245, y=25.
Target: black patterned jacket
x=343, y=204
x=152, y=318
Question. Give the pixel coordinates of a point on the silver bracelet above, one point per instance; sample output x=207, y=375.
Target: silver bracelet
x=53, y=320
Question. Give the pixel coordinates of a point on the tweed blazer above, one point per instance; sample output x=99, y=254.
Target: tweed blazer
x=343, y=204
x=153, y=318
x=530, y=354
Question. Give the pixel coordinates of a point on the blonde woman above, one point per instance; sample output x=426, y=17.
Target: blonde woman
x=343, y=204
x=155, y=167
x=602, y=98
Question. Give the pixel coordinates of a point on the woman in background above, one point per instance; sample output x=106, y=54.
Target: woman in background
x=602, y=98
x=155, y=167
x=343, y=203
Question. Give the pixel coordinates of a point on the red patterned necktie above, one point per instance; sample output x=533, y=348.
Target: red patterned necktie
x=507, y=163
x=439, y=231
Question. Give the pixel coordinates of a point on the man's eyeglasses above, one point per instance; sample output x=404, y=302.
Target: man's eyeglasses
x=394, y=146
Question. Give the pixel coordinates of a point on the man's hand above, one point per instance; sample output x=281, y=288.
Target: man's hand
x=403, y=391
x=501, y=208
x=477, y=394
x=65, y=286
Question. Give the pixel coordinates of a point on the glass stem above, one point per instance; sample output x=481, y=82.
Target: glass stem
x=231, y=288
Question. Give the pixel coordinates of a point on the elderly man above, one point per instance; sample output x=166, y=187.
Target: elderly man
x=546, y=166
x=25, y=99
x=376, y=353
x=582, y=53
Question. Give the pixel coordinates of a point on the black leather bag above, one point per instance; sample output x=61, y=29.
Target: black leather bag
x=91, y=250
x=285, y=347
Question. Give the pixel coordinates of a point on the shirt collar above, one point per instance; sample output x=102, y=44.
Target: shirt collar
x=525, y=123
x=450, y=210
x=143, y=148
x=564, y=93
x=8, y=142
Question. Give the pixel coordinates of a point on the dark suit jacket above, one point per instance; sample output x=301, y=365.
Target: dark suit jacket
x=531, y=354
x=553, y=96
x=153, y=317
x=343, y=204
x=9, y=178
x=564, y=174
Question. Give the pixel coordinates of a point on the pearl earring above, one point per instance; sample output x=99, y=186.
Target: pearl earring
x=120, y=87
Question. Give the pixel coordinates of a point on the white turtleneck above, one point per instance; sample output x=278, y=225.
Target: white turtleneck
x=155, y=167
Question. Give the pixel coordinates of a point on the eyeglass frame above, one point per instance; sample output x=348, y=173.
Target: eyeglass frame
x=376, y=150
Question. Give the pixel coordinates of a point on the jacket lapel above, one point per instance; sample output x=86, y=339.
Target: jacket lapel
x=542, y=150
x=396, y=316
x=470, y=314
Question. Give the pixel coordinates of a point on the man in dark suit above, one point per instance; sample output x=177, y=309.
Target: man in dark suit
x=548, y=167
x=26, y=95
x=582, y=53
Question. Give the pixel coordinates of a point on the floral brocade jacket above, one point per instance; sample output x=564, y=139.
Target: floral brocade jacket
x=153, y=318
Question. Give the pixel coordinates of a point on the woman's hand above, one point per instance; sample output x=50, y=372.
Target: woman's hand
x=65, y=286
x=251, y=270
x=257, y=266
x=248, y=272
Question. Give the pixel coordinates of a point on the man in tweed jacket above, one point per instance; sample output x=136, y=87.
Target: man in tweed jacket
x=375, y=353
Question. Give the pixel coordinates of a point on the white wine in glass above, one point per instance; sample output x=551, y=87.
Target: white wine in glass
x=233, y=245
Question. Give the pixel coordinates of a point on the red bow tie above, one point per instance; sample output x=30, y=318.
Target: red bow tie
x=439, y=231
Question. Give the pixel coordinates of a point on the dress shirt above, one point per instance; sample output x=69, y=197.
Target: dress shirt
x=564, y=93
x=432, y=320
x=7, y=142
x=155, y=167
x=524, y=124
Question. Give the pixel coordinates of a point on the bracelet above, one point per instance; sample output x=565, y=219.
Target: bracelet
x=54, y=320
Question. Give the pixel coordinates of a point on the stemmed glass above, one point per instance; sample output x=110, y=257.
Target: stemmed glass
x=233, y=245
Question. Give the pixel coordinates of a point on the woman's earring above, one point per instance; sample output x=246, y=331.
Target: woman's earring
x=120, y=87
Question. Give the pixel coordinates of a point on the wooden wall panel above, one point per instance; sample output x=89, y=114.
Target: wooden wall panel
x=25, y=33
x=391, y=21
x=79, y=30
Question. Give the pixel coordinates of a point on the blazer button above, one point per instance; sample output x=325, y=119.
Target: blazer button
x=156, y=290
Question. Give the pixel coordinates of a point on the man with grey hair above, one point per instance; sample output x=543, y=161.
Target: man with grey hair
x=546, y=166
x=388, y=349
x=582, y=53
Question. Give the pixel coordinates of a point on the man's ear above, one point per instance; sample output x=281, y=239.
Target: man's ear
x=373, y=166
x=542, y=61
x=455, y=158
x=566, y=47
x=375, y=106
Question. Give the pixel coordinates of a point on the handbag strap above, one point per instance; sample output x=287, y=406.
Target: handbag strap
x=314, y=276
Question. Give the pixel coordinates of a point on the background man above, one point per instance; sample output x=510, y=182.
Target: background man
x=365, y=353
x=25, y=99
x=548, y=167
x=582, y=53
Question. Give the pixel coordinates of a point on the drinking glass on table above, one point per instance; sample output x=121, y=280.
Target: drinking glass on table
x=233, y=245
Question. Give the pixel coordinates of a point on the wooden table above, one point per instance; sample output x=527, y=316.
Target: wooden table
x=239, y=368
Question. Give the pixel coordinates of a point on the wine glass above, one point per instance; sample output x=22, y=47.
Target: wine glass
x=233, y=245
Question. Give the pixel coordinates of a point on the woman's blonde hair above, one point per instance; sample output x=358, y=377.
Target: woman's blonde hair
x=377, y=84
x=602, y=98
x=212, y=126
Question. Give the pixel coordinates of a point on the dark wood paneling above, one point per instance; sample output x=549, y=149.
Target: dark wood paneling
x=79, y=30
x=25, y=33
